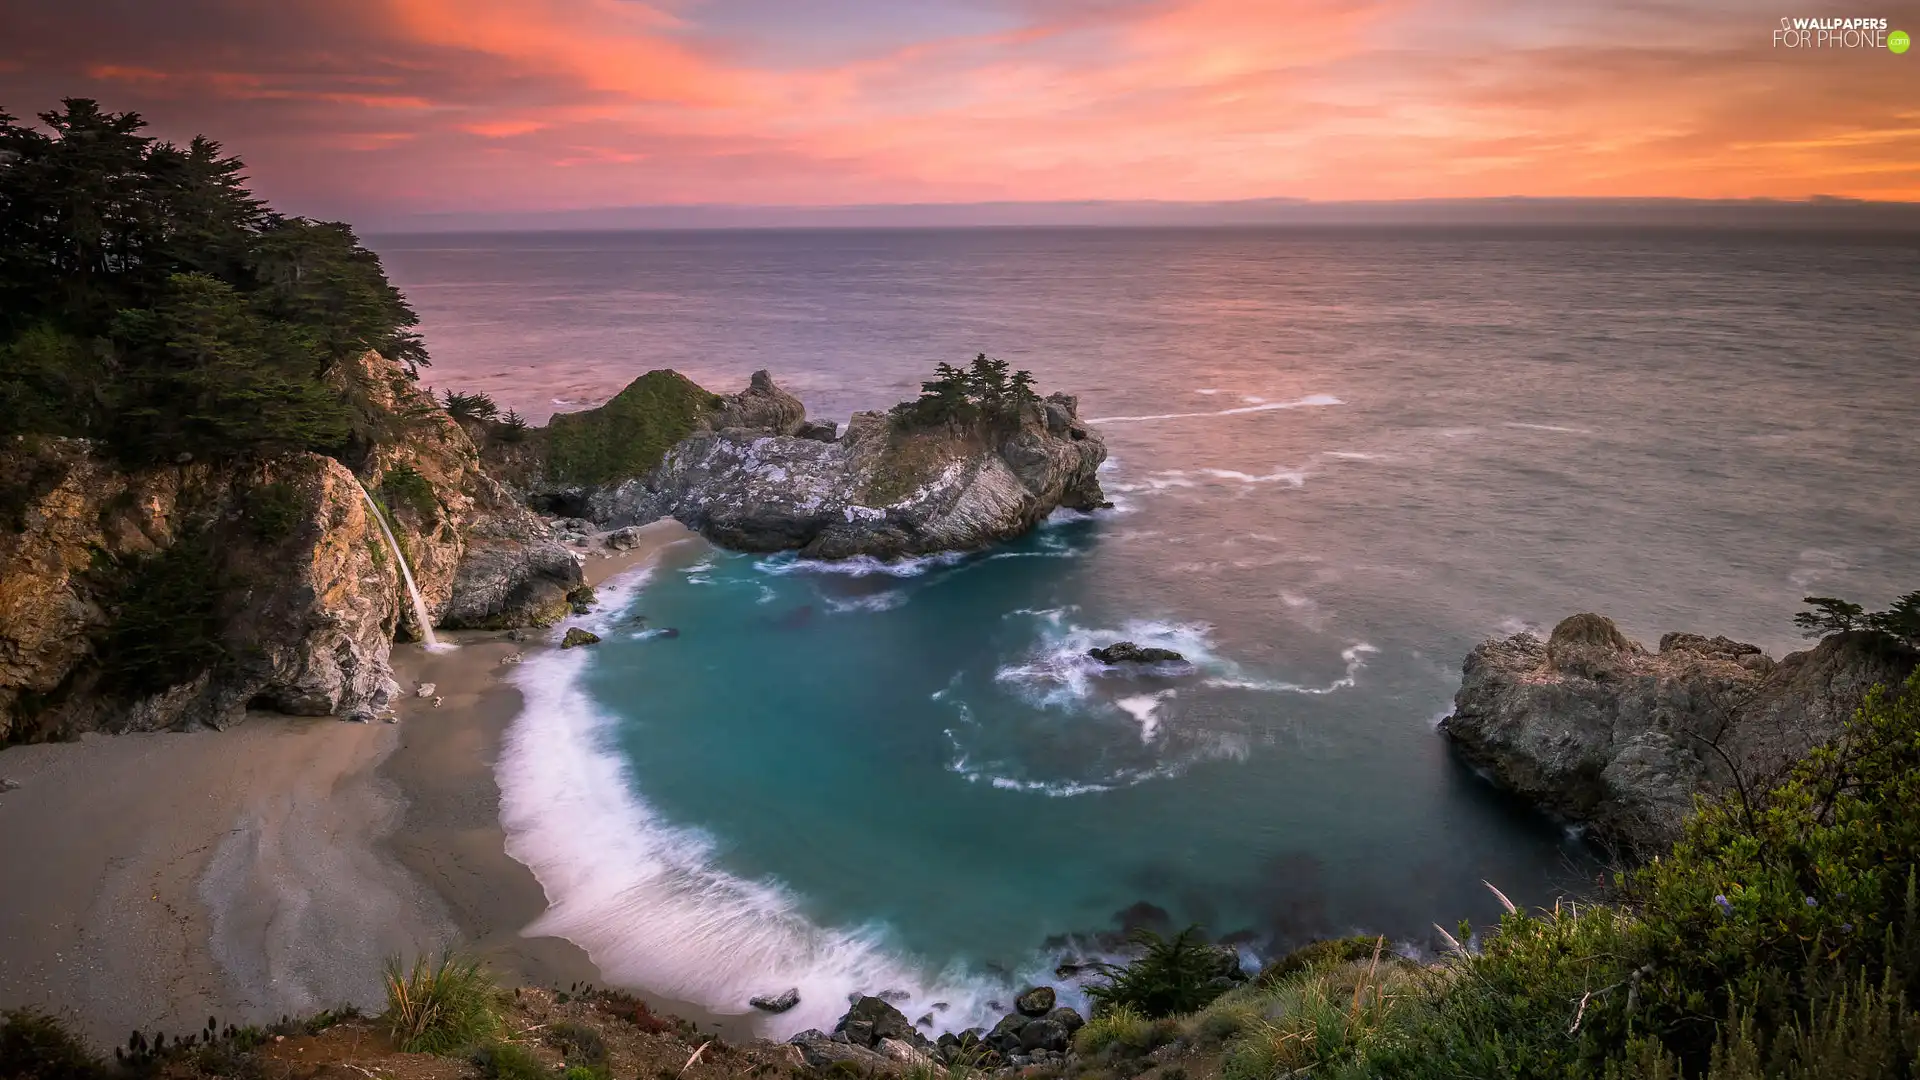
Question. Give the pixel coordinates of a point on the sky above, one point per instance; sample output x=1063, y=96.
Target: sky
x=398, y=109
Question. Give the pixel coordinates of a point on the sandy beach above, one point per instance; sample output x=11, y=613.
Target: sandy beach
x=151, y=881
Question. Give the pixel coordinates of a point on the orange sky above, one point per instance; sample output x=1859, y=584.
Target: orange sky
x=408, y=106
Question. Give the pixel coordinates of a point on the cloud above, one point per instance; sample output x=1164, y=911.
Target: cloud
x=389, y=107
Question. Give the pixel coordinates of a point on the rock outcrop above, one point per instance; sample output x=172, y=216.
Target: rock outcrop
x=883, y=489
x=482, y=558
x=1598, y=730
x=267, y=585
x=176, y=595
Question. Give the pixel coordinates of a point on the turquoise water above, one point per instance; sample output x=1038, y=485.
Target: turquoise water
x=1339, y=459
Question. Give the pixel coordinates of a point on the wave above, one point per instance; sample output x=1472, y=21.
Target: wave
x=1310, y=401
x=1145, y=709
x=880, y=601
x=858, y=566
x=1355, y=656
x=644, y=897
x=1550, y=427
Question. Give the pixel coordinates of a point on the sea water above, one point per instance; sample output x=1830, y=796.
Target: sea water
x=1339, y=460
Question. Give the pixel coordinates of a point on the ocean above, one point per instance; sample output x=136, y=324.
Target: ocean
x=1339, y=459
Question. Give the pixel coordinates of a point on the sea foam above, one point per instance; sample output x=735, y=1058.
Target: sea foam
x=1310, y=401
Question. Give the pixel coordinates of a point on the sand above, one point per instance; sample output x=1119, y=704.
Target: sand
x=151, y=881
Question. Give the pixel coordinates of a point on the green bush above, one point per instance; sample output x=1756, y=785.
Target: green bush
x=35, y=1046
x=475, y=406
x=168, y=628
x=1172, y=975
x=1118, y=1025
x=579, y=1044
x=402, y=487
x=274, y=511
x=1317, y=954
x=629, y=435
x=506, y=1061
x=439, y=1007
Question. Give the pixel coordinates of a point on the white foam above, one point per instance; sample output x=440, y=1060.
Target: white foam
x=1351, y=455
x=1310, y=401
x=1145, y=709
x=1251, y=400
x=858, y=566
x=644, y=897
x=882, y=601
x=1550, y=427
x=1291, y=477
x=1514, y=624
x=1355, y=656
x=1209, y=391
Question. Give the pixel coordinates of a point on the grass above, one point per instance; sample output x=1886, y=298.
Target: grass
x=437, y=1007
x=1325, y=1018
x=1116, y=1026
x=629, y=435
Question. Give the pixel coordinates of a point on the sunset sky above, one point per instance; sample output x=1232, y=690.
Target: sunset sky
x=396, y=107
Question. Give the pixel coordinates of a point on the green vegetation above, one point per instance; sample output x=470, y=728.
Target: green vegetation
x=505, y=1061
x=983, y=389
x=403, y=487
x=149, y=301
x=475, y=406
x=439, y=1007
x=627, y=436
x=35, y=1046
x=1172, y=975
x=1831, y=615
x=274, y=510
x=168, y=628
x=1779, y=939
x=1318, y=954
x=512, y=429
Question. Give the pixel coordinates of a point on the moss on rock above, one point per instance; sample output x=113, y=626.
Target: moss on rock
x=629, y=435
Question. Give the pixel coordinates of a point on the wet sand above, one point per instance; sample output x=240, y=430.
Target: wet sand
x=150, y=881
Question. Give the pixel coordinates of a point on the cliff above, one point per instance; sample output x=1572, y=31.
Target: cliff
x=1599, y=730
x=177, y=595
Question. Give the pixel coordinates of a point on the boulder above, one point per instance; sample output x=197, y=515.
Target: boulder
x=761, y=409
x=577, y=637
x=1126, y=652
x=1034, y=1001
x=776, y=1003
x=1067, y=1018
x=818, y=430
x=623, y=539
x=1044, y=1034
x=822, y=1052
x=872, y=1019
x=1597, y=730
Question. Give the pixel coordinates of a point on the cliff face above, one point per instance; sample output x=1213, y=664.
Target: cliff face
x=881, y=490
x=180, y=595
x=480, y=556
x=1599, y=730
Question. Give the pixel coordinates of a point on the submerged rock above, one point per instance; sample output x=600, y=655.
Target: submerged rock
x=776, y=1003
x=576, y=637
x=1596, y=729
x=1126, y=652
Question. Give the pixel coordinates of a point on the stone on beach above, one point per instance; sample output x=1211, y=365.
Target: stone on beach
x=576, y=637
x=776, y=1003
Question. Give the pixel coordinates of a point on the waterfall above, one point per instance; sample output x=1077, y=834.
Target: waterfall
x=406, y=572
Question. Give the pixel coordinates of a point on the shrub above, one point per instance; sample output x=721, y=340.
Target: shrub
x=1172, y=975
x=274, y=511
x=579, y=1044
x=512, y=428
x=1831, y=615
x=168, y=628
x=402, y=486
x=1117, y=1025
x=506, y=1061
x=475, y=406
x=35, y=1046
x=1317, y=954
x=434, y=1008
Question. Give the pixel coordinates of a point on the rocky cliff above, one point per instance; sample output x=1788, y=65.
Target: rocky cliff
x=768, y=481
x=1599, y=730
x=182, y=594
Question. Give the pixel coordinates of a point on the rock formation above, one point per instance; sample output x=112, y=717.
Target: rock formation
x=883, y=489
x=1126, y=652
x=177, y=595
x=1598, y=730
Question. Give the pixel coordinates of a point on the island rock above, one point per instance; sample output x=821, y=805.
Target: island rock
x=1126, y=652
